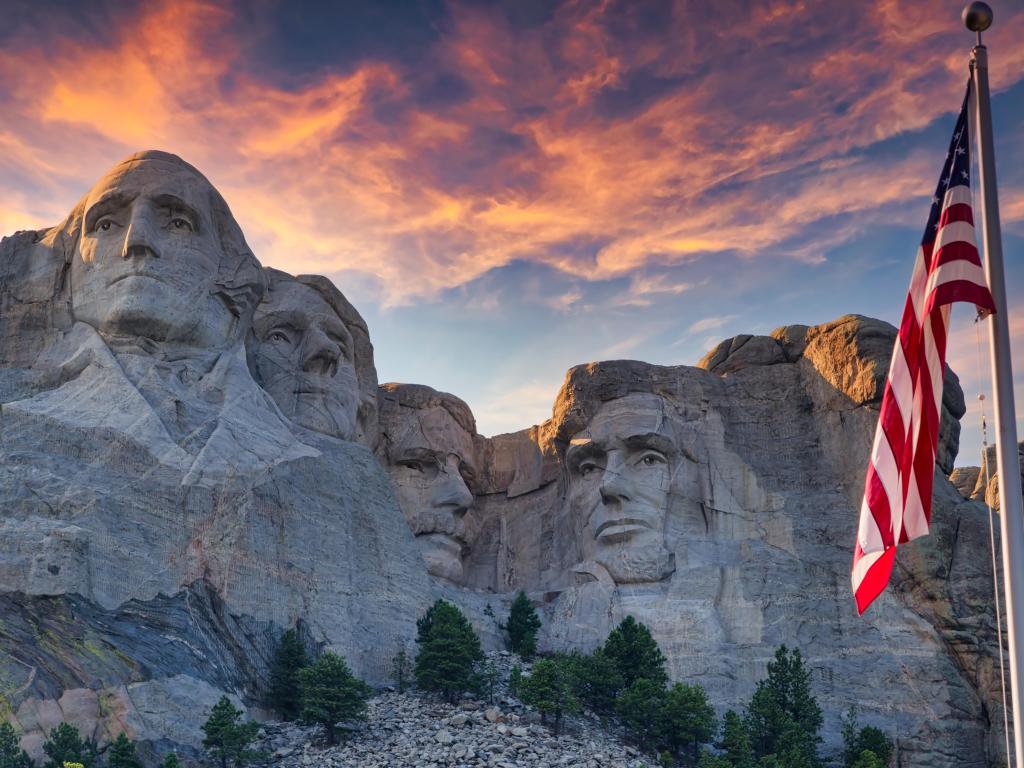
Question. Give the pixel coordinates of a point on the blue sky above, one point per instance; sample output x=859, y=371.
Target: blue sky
x=507, y=190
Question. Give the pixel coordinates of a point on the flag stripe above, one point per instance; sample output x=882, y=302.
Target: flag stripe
x=898, y=484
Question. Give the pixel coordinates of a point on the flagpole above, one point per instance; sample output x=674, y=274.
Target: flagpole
x=978, y=17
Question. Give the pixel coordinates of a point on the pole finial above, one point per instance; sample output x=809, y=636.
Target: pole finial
x=977, y=16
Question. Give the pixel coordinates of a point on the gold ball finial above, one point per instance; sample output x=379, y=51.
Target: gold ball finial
x=977, y=16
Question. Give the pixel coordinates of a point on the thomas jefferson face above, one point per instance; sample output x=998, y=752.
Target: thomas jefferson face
x=431, y=466
x=149, y=255
x=304, y=357
x=620, y=473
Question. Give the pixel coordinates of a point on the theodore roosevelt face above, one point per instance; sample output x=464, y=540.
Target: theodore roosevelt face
x=620, y=474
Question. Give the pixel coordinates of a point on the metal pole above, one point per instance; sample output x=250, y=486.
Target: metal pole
x=1007, y=465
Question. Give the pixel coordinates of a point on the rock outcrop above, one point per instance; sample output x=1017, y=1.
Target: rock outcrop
x=195, y=455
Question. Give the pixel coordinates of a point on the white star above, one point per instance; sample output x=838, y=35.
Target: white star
x=960, y=150
x=945, y=181
x=964, y=174
x=935, y=201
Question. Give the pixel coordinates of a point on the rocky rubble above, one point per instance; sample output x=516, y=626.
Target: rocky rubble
x=408, y=729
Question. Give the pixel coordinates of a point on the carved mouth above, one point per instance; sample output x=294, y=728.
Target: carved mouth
x=621, y=529
x=445, y=541
x=134, y=274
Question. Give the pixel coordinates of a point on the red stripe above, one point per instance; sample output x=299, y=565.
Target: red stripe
x=956, y=212
x=957, y=251
x=875, y=580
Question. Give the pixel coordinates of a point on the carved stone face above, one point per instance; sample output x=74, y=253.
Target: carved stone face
x=431, y=467
x=304, y=356
x=149, y=255
x=620, y=475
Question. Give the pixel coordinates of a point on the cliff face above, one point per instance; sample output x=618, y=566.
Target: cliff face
x=194, y=455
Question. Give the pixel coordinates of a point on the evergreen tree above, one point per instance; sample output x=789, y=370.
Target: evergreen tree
x=708, y=760
x=401, y=669
x=289, y=658
x=515, y=680
x=11, y=753
x=122, y=753
x=641, y=709
x=449, y=651
x=688, y=721
x=226, y=739
x=170, y=761
x=550, y=689
x=735, y=743
x=635, y=653
x=783, y=717
x=869, y=759
x=65, y=745
x=486, y=680
x=856, y=741
x=332, y=694
x=598, y=682
x=523, y=624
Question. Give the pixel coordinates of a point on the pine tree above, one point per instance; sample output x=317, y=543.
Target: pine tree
x=550, y=689
x=708, y=760
x=783, y=717
x=332, y=694
x=869, y=759
x=523, y=624
x=449, y=651
x=598, y=682
x=635, y=653
x=856, y=741
x=227, y=739
x=11, y=753
x=485, y=680
x=640, y=707
x=170, y=761
x=122, y=753
x=735, y=743
x=401, y=669
x=689, y=720
x=65, y=745
x=289, y=658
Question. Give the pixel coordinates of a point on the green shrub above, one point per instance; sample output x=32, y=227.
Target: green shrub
x=11, y=753
x=449, y=651
x=64, y=744
x=550, y=689
x=523, y=624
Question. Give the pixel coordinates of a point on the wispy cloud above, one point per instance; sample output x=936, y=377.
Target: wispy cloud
x=636, y=126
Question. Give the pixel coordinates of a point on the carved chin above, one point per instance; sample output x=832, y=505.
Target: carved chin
x=637, y=563
x=331, y=418
x=442, y=554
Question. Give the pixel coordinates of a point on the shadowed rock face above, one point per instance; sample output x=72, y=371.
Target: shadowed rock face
x=427, y=445
x=311, y=351
x=139, y=456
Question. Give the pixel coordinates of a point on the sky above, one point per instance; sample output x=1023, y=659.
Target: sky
x=505, y=190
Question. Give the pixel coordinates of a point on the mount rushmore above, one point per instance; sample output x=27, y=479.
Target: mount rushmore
x=195, y=454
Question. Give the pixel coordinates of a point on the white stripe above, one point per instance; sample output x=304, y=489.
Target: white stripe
x=887, y=470
x=868, y=535
x=958, y=194
x=935, y=369
x=955, y=232
x=861, y=567
x=952, y=271
x=901, y=382
x=914, y=520
x=918, y=281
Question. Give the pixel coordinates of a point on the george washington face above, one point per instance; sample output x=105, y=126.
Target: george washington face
x=148, y=257
x=304, y=357
x=620, y=475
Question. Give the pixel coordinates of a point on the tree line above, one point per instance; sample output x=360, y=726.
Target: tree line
x=624, y=681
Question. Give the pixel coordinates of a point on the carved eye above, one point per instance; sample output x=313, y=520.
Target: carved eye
x=183, y=225
x=588, y=468
x=105, y=225
x=278, y=337
x=416, y=466
x=651, y=459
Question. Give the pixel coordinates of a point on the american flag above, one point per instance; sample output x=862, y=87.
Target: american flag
x=898, y=488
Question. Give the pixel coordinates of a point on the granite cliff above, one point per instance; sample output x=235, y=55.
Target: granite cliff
x=195, y=454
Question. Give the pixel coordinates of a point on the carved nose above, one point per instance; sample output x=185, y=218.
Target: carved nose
x=140, y=240
x=453, y=492
x=320, y=354
x=615, y=487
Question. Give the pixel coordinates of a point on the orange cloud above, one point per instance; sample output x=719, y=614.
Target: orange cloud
x=659, y=145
